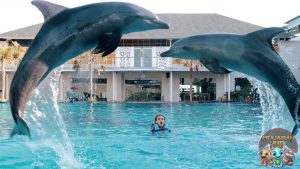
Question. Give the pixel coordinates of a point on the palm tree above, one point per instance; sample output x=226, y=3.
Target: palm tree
x=91, y=58
x=192, y=65
x=17, y=53
x=76, y=65
x=10, y=51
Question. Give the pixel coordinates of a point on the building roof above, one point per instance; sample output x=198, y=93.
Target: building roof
x=293, y=25
x=287, y=22
x=22, y=33
x=181, y=25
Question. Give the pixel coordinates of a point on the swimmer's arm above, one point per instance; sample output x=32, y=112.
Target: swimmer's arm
x=152, y=129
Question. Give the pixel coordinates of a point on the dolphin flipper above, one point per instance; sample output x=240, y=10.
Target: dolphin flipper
x=108, y=43
x=48, y=9
x=213, y=66
x=20, y=128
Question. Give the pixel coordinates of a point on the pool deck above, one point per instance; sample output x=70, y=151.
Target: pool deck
x=160, y=102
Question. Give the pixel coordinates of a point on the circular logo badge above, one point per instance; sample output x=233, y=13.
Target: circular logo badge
x=277, y=148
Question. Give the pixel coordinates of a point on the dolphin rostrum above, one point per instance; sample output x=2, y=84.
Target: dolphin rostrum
x=68, y=32
x=252, y=54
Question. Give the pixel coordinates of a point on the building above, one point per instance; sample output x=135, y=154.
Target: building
x=136, y=72
x=293, y=25
x=289, y=51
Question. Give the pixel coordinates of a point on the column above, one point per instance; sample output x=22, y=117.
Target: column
x=228, y=86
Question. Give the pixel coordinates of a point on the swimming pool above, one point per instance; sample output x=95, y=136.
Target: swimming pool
x=117, y=136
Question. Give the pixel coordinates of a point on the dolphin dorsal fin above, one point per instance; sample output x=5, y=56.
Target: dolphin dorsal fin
x=267, y=34
x=48, y=9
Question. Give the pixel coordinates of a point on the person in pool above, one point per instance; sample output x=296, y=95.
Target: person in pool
x=159, y=124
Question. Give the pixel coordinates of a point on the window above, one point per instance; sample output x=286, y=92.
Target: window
x=143, y=57
x=86, y=80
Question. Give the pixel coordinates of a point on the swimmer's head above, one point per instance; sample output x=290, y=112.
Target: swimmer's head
x=160, y=120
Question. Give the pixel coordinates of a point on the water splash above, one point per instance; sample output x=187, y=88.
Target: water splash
x=289, y=53
x=46, y=124
x=275, y=111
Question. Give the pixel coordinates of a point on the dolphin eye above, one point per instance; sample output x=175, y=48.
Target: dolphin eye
x=137, y=17
x=185, y=47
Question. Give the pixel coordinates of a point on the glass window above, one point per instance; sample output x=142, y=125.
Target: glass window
x=143, y=57
x=137, y=58
x=147, y=57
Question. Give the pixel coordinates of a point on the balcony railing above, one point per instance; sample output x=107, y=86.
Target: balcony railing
x=124, y=60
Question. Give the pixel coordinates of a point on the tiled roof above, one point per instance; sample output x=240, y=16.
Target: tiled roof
x=181, y=25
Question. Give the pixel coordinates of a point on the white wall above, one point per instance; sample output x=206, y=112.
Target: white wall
x=176, y=84
x=165, y=90
x=290, y=53
x=9, y=77
x=109, y=93
x=119, y=87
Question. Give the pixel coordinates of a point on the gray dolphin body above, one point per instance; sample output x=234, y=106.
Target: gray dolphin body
x=67, y=33
x=252, y=54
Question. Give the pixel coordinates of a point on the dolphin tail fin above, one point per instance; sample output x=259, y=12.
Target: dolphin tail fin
x=20, y=128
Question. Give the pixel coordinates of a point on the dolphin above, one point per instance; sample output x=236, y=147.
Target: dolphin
x=68, y=32
x=252, y=54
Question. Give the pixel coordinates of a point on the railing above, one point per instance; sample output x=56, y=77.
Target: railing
x=131, y=58
x=10, y=67
x=154, y=62
x=123, y=64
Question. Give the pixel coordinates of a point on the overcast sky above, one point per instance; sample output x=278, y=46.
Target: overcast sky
x=16, y=14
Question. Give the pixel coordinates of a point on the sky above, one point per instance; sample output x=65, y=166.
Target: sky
x=15, y=14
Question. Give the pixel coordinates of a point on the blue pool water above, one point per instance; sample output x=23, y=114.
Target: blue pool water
x=117, y=136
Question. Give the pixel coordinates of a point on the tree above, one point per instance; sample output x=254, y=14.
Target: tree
x=5, y=53
x=193, y=66
x=17, y=53
x=9, y=52
x=76, y=65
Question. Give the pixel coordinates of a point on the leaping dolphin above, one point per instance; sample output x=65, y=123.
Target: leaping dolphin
x=252, y=54
x=67, y=33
